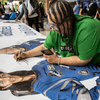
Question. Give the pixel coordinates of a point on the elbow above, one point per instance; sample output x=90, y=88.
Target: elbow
x=84, y=62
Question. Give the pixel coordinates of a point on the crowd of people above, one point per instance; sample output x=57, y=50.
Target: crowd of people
x=25, y=12
x=92, y=9
x=35, y=18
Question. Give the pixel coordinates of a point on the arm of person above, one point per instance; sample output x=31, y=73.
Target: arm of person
x=80, y=11
x=96, y=14
x=72, y=60
x=31, y=53
x=21, y=13
x=74, y=9
x=35, y=8
x=35, y=52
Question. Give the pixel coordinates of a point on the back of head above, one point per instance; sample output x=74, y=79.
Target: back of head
x=92, y=10
x=20, y=2
x=78, y=1
x=5, y=3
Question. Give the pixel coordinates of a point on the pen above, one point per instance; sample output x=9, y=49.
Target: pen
x=19, y=53
x=67, y=67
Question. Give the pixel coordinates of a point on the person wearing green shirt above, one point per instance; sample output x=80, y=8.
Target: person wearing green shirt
x=75, y=37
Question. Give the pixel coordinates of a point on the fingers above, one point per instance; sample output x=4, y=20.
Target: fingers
x=46, y=56
x=6, y=87
x=18, y=56
x=15, y=55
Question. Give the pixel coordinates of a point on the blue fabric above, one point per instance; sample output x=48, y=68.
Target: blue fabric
x=77, y=9
x=32, y=43
x=12, y=16
x=6, y=17
x=26, y=2
x=20, y=8
x=59, y=76
x=78, y=1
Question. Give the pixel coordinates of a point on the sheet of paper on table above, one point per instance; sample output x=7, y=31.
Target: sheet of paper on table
x=15, y=34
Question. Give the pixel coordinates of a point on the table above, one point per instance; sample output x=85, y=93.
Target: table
x=15, y=33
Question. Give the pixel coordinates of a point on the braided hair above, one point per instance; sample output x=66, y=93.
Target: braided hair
x=65, y=12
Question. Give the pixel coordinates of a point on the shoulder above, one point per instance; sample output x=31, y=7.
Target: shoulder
x=87, y=26
x=53, y=33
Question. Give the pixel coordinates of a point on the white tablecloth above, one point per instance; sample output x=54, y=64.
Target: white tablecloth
x=16, y=33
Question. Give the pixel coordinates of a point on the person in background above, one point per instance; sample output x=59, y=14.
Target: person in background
x=30, y=8
x=23, y=19
x=83, y=11
x=0, y=3
x=92, y=10
x=15, y=6
x=6, y=8
x=13, y=16
x=2, y=6
x=42, y=11
x=19, y=8
x=97, y=16
x=76, y=8
x=1, y=13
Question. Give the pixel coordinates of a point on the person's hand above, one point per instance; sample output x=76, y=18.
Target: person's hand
x=29, y=14
x=53, y=59
x=20, y=56
x=16, y=19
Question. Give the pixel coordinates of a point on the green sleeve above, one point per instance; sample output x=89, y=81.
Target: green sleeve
x=48, y=42
x=88, y=44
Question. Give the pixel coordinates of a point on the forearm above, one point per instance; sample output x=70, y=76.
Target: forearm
x=35, y=52
x=73, y=61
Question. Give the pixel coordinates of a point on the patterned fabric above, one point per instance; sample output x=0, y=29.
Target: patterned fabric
x=61, y=83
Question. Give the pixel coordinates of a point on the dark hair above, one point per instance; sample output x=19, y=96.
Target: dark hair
x=20, y=2
x=5, y=3
x=65, y=11
x=21, y=86
x=1, y=10
x=93, y=9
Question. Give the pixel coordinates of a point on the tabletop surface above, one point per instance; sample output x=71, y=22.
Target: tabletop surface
x=16, y=33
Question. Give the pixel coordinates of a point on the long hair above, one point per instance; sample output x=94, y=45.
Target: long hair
x=65, y=12
x=21, y=86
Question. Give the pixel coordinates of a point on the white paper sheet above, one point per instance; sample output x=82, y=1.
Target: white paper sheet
x=8, y=64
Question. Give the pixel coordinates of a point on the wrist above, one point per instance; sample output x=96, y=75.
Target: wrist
x=59, y=60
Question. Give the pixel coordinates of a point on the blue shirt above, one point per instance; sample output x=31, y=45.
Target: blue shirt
x=51, y=79
x=12, y=16
x=20, y=8
x=77, y=9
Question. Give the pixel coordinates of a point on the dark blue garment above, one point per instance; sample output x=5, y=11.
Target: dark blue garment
x=63, y=83
x=32, y=43
x=13, y=16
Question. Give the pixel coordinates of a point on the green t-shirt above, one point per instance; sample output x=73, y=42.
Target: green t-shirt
x=86, y=40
